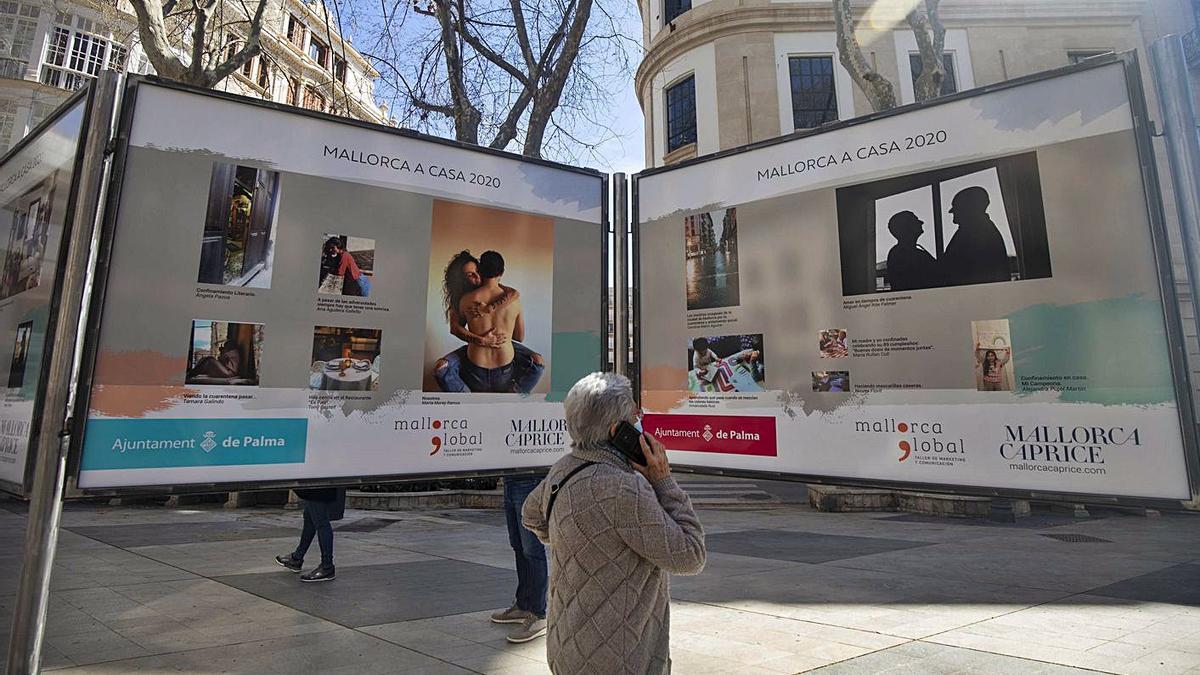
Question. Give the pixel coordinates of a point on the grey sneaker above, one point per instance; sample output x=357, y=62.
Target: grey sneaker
x=511, y=615
x=531, y=628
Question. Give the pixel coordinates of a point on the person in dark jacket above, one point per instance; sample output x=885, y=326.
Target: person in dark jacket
x=976, y=253
x=319, y=504
x=909, y=266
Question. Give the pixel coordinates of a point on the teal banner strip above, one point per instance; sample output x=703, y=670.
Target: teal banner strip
x=162, y=443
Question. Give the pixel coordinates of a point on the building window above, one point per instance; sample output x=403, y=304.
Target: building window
x=296, y=31
x=40, y=111
x=293, y=92
x=949, y=82
x=1083, y=54
x=673, y=8
x=18, y=24
x=681, y=114
x=248, y=69
x=319, y=52
x=339, y=69
x=313, y=99
x=264, y=75
x=73, y=56
x=814, y=98
x=8, y=118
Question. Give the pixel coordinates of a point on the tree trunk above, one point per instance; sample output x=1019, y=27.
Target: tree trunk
x=931, y=42
x=878, y=89
x=157, y=45
x=548, y=97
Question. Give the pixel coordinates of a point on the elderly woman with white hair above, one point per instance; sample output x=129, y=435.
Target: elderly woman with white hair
x=615, y=531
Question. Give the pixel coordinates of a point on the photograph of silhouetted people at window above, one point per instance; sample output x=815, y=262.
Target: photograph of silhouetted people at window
x=347, y=266
x=978, y=223
x=726, y=363
x=710, y=243
x=238, y=244
x=29, y=230
x=833, y=344
x=224, y=353
x=16, y=370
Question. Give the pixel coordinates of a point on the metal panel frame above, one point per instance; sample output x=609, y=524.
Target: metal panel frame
x=103, y=268
x=1142, y=129
x=87, y=95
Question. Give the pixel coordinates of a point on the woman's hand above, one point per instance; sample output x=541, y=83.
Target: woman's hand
x=656, y=467
x=493, y=339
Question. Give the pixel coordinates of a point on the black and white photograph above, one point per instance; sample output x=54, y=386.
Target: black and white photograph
x=28, y=235
x=711, y=245
x=979, y=223
x=238, y=245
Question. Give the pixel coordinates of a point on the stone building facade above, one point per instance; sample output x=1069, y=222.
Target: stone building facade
x=719, y=74
x=48, y=49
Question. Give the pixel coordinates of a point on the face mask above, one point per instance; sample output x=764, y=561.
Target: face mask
x=638, y=425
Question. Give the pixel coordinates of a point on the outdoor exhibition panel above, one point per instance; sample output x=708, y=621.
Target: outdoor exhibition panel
x=284, y=297
x=968, y=294
x=37, y=187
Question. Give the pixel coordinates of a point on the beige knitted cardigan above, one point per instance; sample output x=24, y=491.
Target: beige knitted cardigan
x=613, y=539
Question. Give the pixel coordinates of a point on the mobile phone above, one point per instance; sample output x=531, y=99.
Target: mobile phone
x=627, y=439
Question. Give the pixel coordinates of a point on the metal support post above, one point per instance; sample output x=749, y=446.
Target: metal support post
x=620, y=221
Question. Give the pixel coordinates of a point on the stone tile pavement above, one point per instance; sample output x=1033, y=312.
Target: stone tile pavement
x=786, y=590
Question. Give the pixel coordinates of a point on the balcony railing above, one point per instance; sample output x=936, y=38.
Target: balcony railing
x=62, y=78
x=13, y=69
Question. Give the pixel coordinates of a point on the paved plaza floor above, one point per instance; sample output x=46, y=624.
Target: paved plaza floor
x=786, y=590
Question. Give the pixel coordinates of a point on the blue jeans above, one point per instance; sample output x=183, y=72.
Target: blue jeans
x=523, y=376
x=316, y=521
x=533, y=577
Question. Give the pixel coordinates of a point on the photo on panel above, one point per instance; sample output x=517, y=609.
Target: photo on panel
x=347, y=265
x=711, y=247
x=224, y=353
x=345, y=359
x=28, y=217
x=16, y=370
x=832, y=343
x=238, y=246
x=836, y=381
x=489, y=314
x=725, y=363
x=994, y=370
x=977, y=223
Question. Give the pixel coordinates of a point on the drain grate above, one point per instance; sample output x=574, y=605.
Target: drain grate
x=1077, y=538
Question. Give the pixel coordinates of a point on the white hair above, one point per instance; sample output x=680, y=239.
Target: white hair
x=594, y=404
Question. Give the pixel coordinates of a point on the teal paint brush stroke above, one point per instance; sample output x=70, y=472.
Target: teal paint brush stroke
x=575, y=355
x=1119, y=343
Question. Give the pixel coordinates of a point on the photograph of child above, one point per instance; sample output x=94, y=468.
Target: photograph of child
x=224, y=353
x=836, y=381
x=833, y=343
x=345, y=359
x=488, y=321
x=993, y=356
x=726, y=363
x=347, y=265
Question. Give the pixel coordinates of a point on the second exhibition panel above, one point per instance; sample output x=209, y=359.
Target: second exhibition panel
x=289, y=296
x=967, y=293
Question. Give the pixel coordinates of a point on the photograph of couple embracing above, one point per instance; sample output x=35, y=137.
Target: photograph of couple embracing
x=489, y=317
